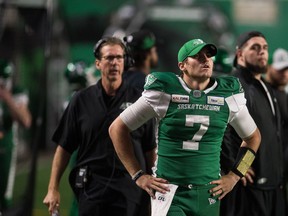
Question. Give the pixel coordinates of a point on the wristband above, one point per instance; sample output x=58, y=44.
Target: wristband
x=137, y=175
x=244, y=160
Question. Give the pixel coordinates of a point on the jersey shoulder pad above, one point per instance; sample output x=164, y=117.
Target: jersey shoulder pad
x=230, y=83
x=160, y=81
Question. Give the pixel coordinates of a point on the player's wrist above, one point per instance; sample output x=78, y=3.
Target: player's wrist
x=137, y=175
x=234, y=176
x=243, y=162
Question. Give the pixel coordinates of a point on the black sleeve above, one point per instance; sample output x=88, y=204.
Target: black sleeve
x=66, y=132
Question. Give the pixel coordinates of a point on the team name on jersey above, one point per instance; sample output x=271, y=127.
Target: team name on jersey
x=215, y=100
x=199, y=107
x=176, y=98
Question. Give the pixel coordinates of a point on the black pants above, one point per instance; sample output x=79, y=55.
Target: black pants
x=114, y=205
x=113, y=197
x=243, y=201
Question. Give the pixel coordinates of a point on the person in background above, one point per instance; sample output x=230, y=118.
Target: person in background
x=14, y=112
x=99, y=180
x=260, y=192
x=222, y=63
x=192, y=112
x=75, y=75
x=93, y=75
x=143, y=50
x=277, y=77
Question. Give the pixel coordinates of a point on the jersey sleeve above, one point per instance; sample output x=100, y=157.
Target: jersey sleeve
x=156, y=91
x=239, y=116
x=153, y=102
x=152, y=82
x=137, y=114
x=236, y=101
x=243, y=123
x=160, y=81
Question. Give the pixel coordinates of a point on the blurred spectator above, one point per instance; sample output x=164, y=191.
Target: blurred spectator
x=222, y=63
x=93, y=75
x=277, y=75
x=76, y=76
x=142, y=47
x=13, y=111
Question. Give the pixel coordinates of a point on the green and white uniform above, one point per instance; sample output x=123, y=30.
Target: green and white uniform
x=191, y=124
x=191, y=127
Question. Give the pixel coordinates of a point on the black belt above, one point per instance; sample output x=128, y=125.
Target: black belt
x=191, y=186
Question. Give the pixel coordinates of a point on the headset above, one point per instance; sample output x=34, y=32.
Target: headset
x=128, y=60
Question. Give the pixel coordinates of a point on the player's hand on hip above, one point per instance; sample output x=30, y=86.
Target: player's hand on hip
x=224, y=185
x=151, y=184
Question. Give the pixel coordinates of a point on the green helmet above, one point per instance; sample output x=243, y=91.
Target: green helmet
x=6, y=69
x=223, y=62
x=75, y=73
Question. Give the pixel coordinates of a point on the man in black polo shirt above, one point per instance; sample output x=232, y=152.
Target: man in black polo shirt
x=99, y=180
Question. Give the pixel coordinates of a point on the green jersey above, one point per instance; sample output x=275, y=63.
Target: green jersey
x=191, y=125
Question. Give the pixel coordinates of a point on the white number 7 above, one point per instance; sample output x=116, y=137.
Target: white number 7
x=190, y=120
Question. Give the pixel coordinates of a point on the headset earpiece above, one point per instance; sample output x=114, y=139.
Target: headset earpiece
x=129, y=60
x=97, y=47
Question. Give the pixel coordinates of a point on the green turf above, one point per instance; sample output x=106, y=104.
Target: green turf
x=42, y=178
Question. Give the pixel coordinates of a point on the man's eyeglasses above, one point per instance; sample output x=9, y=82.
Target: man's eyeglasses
x=111, y=58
